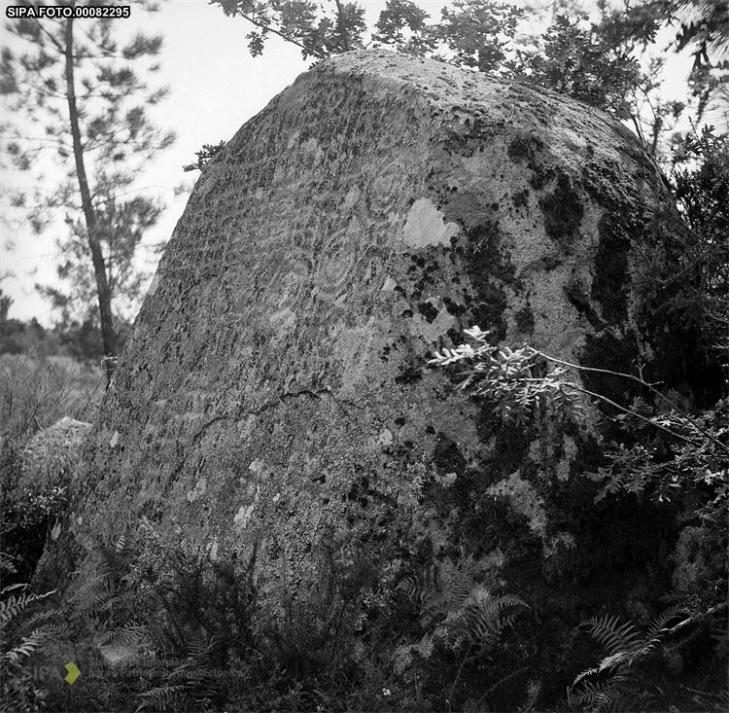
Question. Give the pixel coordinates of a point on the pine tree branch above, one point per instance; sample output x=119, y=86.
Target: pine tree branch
x=55, y=42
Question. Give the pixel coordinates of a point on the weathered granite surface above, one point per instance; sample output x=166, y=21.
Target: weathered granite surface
x=274, y=390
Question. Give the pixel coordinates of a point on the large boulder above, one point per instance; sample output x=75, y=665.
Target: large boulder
x=274, y=393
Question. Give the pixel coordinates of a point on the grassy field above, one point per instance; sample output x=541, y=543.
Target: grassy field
x=35, y=392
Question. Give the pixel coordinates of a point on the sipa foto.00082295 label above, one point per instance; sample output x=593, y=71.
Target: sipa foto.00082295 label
x=69, y=12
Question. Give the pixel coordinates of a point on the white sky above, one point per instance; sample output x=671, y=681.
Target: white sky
x=215, y=87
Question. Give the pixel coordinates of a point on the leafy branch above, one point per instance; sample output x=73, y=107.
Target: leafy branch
x=507, y=377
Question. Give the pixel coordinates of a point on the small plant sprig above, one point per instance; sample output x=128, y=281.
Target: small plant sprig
x=508, y=378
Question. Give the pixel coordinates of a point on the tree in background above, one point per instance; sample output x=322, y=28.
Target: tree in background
x=121, y=227
x=82, y=97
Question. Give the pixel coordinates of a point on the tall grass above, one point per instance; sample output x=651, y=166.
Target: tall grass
x=35, y=392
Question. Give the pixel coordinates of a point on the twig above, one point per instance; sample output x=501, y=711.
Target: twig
x=696, y=617
x=455, y=682
x=640, y=381
x=502, y=680
x=628, y=411
x=637, y=379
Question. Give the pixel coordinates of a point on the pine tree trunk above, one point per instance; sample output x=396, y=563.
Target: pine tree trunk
x=97, y=257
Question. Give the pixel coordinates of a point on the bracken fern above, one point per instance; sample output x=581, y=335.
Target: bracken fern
x=614, y=683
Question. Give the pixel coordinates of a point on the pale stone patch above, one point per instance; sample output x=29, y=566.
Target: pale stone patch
x=352, y=197
x=283, y=321
x=257, y=466
x=293, y=140
x=570, y=448
x=243, y=516
x=425, y=225
x=407, y=433
x=117, y=656
x=446, y=480
x=493, y=560
x=431, y=331
x=535, y=451
x=570, y=452
x=389, y=285
x=563, y=470
x=198, y=490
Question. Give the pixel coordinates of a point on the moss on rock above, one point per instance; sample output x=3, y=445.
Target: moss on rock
x=563, y=210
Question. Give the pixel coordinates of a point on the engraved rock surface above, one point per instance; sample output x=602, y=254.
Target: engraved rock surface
x=274, y=389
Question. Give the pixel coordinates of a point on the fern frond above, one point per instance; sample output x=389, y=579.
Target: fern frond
x=54, y=629
x=458, y=584
x=43, y=617
x=481, y=620
x=28, y=646
x=598, y=695
x=585, y=674
x=121, y=544
x=659, y=625
x=92, y=596
x=161, y=698
x=448, y=585
x=130, y=635
x=613, y=636
x=13, y=587
x=11, y=607
x=199, y=646
x=484, y=618
x=419, y=588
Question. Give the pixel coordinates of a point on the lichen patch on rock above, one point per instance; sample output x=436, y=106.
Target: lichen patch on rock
x=425, y=226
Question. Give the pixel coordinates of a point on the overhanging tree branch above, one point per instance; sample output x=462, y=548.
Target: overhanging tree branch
x=283, y=35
